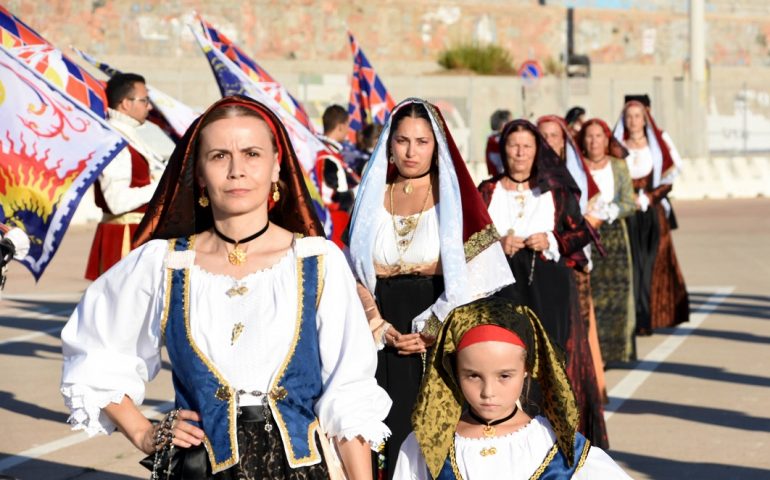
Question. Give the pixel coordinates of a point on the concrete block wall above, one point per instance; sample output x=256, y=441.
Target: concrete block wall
x=397, y=32
x=723, y=177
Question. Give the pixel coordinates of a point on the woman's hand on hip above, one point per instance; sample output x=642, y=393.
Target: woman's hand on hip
x=183, y=434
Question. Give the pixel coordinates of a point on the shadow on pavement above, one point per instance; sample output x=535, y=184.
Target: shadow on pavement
x=41, y=469
x=32, y=349
x=663, y=468
x=733, y=336
x=693, y=413
x=43, y=306
x=61, y=310
x=8, y=401
x=33, y=324
x=698, y=371
x=752, y=306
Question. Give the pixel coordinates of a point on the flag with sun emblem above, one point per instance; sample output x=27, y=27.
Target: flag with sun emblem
x=34, y=50
x=52, y=148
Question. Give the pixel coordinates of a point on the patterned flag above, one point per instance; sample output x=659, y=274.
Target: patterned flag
x=171, y=115
x=51, y=150
x=256, y=73
x=369, y=101
x=25, y=43
x=234, y=81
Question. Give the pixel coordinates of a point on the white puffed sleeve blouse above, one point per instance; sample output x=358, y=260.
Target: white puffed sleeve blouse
x=112, y=341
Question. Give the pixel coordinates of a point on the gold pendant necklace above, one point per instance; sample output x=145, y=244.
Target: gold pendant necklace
x=488, y=427
x=408, y=188
x=237, y=256
x=406, y=232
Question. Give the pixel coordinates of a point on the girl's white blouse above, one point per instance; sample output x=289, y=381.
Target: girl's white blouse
x=518, y=454
x=112, y=341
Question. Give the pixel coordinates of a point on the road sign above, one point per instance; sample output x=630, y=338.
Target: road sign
x=530, y=71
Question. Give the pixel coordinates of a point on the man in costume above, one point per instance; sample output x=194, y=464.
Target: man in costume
x=336, y=180
x=126, y=185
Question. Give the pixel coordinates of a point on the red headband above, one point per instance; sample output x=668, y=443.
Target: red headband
x=489, y=333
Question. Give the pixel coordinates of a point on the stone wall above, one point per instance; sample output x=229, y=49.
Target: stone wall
x=400, y=36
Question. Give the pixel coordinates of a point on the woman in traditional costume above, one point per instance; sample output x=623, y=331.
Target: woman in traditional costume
x=468, y=422
x=653, y=162
x=421, y=243
x=611, y=274
x=534, y=204
x=558, y=137
x=267, y=340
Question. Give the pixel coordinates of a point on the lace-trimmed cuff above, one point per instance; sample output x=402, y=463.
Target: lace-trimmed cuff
x=86, y=404
x=552, y=252
x=374, y=434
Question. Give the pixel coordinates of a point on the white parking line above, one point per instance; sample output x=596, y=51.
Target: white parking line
x=618, y=395
x=74, y=439
x=636, y=377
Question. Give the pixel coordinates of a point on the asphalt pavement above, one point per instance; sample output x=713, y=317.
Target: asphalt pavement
x=695, y=404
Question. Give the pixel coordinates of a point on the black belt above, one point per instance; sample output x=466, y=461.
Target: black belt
x=251, y=414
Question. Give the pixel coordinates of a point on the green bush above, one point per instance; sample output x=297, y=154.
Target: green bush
x=482, y=59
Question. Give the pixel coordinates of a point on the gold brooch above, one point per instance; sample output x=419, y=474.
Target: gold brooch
x=236, y=290
x=237, y=331
x=223, y=393
x=485, y=452
x=278, y=393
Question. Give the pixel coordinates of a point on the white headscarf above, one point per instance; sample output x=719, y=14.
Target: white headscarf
x=472, y=269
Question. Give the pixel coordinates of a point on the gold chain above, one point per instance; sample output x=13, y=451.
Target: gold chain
x=410, y=226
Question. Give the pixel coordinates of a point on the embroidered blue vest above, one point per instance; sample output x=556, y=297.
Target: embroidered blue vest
x=200, y=387
x=554, y=466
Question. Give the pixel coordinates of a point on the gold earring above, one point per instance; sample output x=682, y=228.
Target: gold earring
x=203, y=200
x=276, y=193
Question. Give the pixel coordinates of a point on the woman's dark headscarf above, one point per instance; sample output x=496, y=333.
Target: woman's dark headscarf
x=547, y=172
x=174, y=210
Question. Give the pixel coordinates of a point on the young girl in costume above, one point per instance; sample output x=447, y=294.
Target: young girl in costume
x=468, y=423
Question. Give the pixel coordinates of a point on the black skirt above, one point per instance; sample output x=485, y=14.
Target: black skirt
x=262, y=456
x=546, y=295
x=401, y=298
x=553, y=297
x=643, y=238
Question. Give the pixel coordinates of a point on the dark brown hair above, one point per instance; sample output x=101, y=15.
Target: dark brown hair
x=412, y=110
